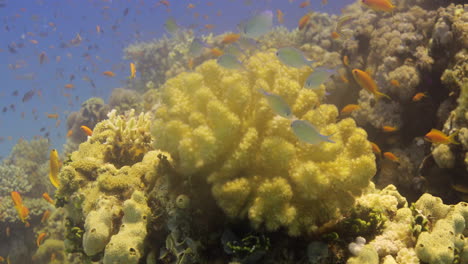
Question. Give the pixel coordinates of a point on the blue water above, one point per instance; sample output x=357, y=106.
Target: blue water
x=54, y=23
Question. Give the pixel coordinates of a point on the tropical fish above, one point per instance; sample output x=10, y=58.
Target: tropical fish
x=45, y=216
x=349, y=108
x=277, y=104
x=334, y=35
x=69, y=133
x=52, y=116
x=391, y=156
x=375, y=148
x=229, y=61
x=69, y=86
x=109, y=73
x=292, y=57
x=23, y=211
x=28, y=95
x=366, y=82
x=304, y=4
x=87, y=130
x=417, y=97
x=346, y=60
x=389, y=129
x=48, y=198
x=438, y=137
x=54, y=168
x=306, y=132
x=42, y=57
x=280, y=16
x=230, y=38
x=40, y=238
x=132, y=71
x=216, y=52
x=395, y=83
x=379, y=5
x=303, y=21
x=171, y=26
x=258, y=25
x=317, y=77
x=196, y=47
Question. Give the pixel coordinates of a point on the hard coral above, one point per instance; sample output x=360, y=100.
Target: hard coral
x=215, y=124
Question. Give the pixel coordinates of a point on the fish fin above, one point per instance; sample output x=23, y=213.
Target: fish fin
x=378, y=95
x=452, y=138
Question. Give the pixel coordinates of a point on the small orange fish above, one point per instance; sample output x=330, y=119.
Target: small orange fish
x=164, y=2
x=16, y=197
x=391, y=156
x=389, y=129
x=45, y=216
x=304, y=4
x=69, y=133
x=438, y=137
x=395, y=83
x=33, y=41
x=366, y=82
x=375, y=148
x=109, y=74
x=379, y=5
x=417, y=97
x=349, y=108
x=346, y=60
x=335, y=35
x=48, y=199
x=280, y=16
x=343, y=78
x=98, y=29
x=303, y=21
x=191, y=6
x=216, y=52
x=324, y=2
x=40, y=238
x=209, y=26
x=230, y=38
x=52, y=116
x=87, y=130
x=69, y=86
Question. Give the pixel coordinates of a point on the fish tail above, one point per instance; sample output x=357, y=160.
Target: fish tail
x=378, y=95
x=451, y=138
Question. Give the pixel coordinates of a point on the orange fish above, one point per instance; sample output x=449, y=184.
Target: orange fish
x=417, y=97
x=366, y=82
x=164, y=2
x=209, y=26
x=280, y=16
x=379, y=5
x=69, y=86
x=45, y=216
x=48, y=199
x=389, y=129
x=346, y=60
x=98, y=29
x=109, y=74
x=343, y=78
x=16, y=197
x=87, y=130
x=395, y=83
x=69, y=133
x=438, y=137
x=375, y=148
x=40, y=238
x=230, y=38
x=303, y=21
x=33, y=41
x=52, y=116
x=216, y=52
x=190, y=6
x=349, y=108
x=304, y=4
x=335, y=35
x=391, y=156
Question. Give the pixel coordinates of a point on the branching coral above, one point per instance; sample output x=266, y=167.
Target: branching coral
x=214, y=122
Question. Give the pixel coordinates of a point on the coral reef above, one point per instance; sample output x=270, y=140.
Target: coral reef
x=123, y=100
x=256, y=166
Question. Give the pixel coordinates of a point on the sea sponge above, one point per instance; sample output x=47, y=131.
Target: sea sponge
x=127, y=245
x=215, y=124
x=98, y=225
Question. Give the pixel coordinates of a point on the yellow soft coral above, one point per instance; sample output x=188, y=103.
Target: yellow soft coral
x=216, y=124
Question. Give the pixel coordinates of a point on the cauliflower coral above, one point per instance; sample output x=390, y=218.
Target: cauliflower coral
x=215, y=124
